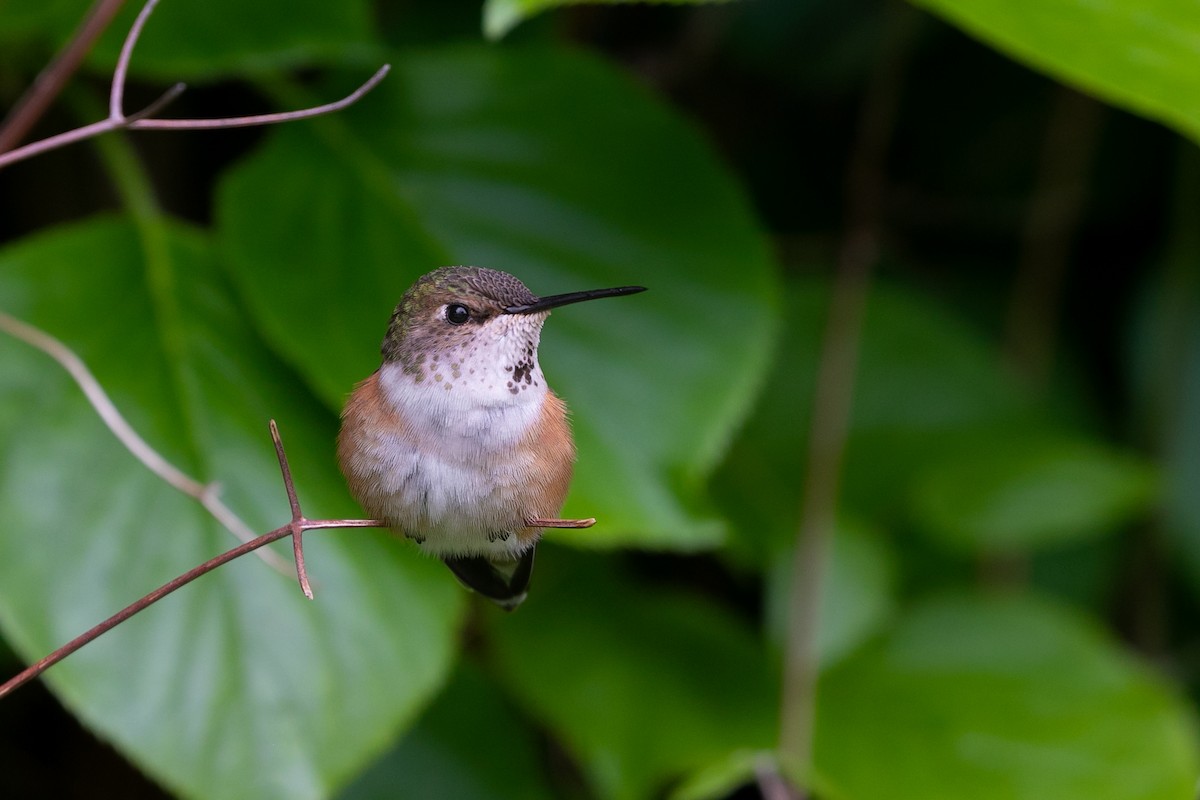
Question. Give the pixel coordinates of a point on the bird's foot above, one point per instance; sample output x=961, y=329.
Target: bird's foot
x=551, y=522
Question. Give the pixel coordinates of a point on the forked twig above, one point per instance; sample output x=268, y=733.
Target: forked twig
x=260, y=119
x=295, y=525
x=293, y=528
x=141, y=120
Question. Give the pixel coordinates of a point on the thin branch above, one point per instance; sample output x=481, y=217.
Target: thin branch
x=103, y=405
x=116, y=95
x=141, y=120
x=772, y=785
x=1055, y=206
x=50, y=81
x=836, y=372
x=162, y=102
x=55, y=142
x=70, y=647
x=263, y=119
x=205, y=494
x=295, y=525
x=167, y=588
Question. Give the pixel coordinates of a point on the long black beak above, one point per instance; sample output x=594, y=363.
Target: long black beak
x=556, y=300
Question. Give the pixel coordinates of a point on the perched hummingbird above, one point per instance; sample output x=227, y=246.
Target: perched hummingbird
x=456, y=441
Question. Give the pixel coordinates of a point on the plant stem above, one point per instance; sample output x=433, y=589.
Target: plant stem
x=1055, y=207
x=51, y=80
x=834, y=394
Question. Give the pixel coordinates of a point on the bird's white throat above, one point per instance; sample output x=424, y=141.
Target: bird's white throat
x=482, y=395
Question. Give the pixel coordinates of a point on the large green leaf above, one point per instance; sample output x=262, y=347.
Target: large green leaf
x=550, y=166
x=1139, y=54
x=924, y=377
x=20, y=19
x=1000, y=698
x=643, y=685
x=236, y=686
x=1006, y=492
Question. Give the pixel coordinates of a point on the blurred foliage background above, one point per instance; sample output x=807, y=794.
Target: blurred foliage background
x=956, y=239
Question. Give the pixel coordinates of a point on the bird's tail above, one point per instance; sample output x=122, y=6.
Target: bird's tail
x=504, y=582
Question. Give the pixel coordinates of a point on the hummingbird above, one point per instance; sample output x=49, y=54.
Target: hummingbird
x=456, y=442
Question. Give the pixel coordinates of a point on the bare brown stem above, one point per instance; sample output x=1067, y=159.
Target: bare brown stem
x=50, y=81
x=162, y=102
x=263, y=119
x=118, y=120
x=116, y=94
x=1055, y=206
x=102, y=404
x=298, y=523
x=829, y=425
x=96, y=632
x=205, y=494
x=772, y=785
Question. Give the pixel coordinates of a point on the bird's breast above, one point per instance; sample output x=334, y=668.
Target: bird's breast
x=459, y=475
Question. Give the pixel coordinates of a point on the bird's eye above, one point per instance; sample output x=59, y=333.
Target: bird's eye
x=457, y=314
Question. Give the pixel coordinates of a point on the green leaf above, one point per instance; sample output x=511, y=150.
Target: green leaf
x=206, y=40
x=501, y=16
x=469, y=745
x=1137, y=54
x=21, y=19
x=236, y=686
x=923, y=375
x=1013, y=491
x=552, y=167
x=722, y=778
x=1000, y=698
x=643, y=685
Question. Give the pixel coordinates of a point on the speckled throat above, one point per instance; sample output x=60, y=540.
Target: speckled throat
x=498, y=359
